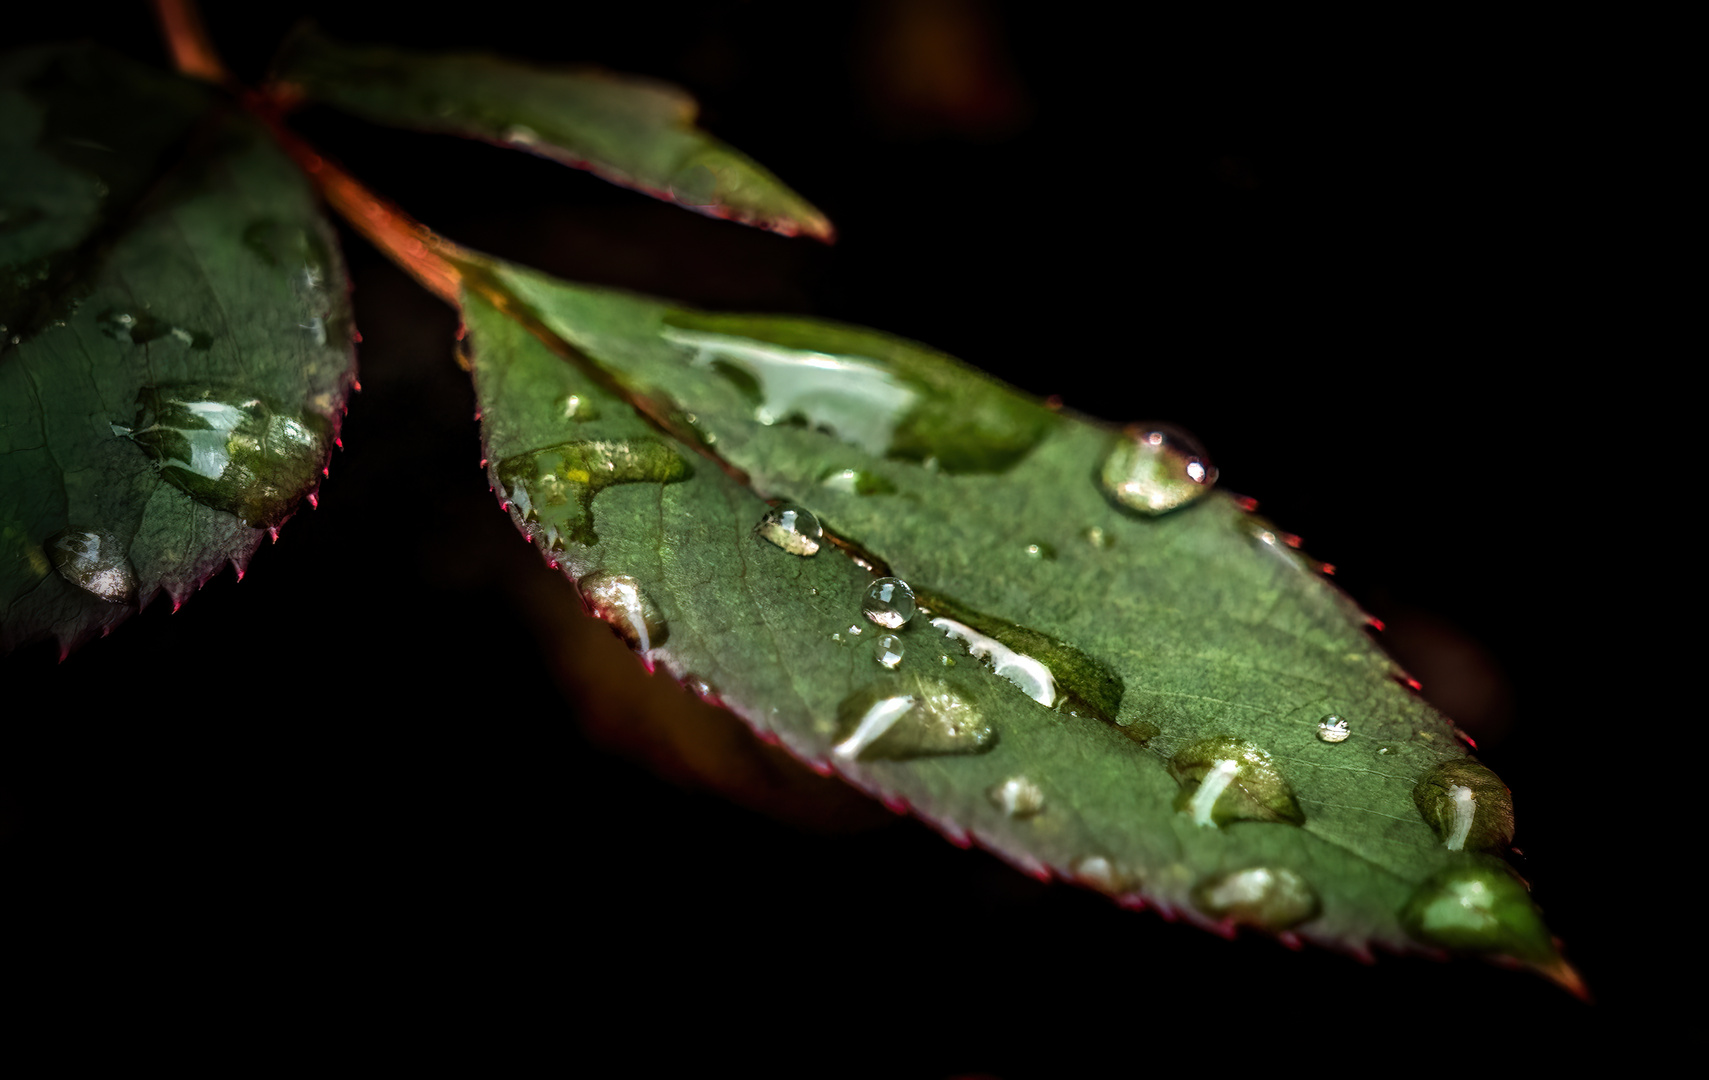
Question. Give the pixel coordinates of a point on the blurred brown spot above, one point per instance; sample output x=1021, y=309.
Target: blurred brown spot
x=940, y=66
x=1458, y=675
x=657, y=723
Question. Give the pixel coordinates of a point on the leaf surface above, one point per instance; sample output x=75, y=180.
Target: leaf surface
x=631, y=131
x=177, y=350
x=1079, y=674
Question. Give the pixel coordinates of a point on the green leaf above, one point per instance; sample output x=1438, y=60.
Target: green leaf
x=177, y=347
x=631, y=131
x=1129, y=699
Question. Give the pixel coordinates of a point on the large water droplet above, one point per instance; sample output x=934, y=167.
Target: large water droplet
x=1017, y=797
x=1156, y=468
x=906, y=718
x=888, y=651
x=792, y=528
x=232, y=451
x=1468, y=806
x=1333, y=729
x=620, y=601
x=1270, y=898
x=93, y=561
x=1224, y=779
x=1051, y=672
x=1479, y=906
x=555, y=487
x=695, y=185
x=889, y=602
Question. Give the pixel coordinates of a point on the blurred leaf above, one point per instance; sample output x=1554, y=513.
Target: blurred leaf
x=177, y=340
x=1127, y=700
x=631, y=131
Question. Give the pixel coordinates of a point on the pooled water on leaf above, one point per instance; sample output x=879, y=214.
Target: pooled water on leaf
x=232, y=451
x=1332, y=729
x=1478, y=906
x=902, y=718
x=792, y=528
x=620, y=601
x=889, y=602
x=555, y=487
x=1271, y=898
x=888, y=651
x=1225, y=779
x=93, y=561
x=1156, y=468
x=1467, y=805
x=1051, y=672
x=1017, y=797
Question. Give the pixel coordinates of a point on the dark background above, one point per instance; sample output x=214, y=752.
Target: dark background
x=1331, y=251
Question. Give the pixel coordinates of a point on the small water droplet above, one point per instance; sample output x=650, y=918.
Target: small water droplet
x=1156, y=468
x=1098, y=538
x=838, y=638
x=232, y=451
x=1467, y=805
x=948, y=661
x=576, y=407
x=1040, y=551
x=621, y=602
x=792, y=528
x=889, y=602
x=1225, y=779
x=1271, y=898
x=902, y=718
x=695, y=185
x=1017, y=797
x=888, y=651
x=1479, y=906
x=854, y=630
x=857, y=482
x=1332, y=729
x=93, y=561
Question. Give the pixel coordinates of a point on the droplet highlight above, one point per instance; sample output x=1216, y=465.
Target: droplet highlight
x=93, y=561
x=621, y=602
x=792, y=528
x=1224, y=779
x=554, y=488
x=902, y=718
x=1270, y=898
x=232, y=451
x=1333, y=729
x=1467, y=805
x=1157, y=468
x=1017, y=797
x=856, y=482
x=889, y=602
x=888, y=651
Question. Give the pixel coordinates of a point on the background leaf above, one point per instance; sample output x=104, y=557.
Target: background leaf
x=1329, y=333
x=632, y=131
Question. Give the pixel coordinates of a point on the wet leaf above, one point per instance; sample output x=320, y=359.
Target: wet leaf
x=629, y=130
x=1138, y=711
x=176, y=352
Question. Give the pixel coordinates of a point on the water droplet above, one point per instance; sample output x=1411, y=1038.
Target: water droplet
x=1051, y=672
x=1332, y=729
x=1017, y=797
x=1479, y=906
x=889, y=602
x=1156, y=468
x=902, y=718
x=1224, y=779
x=620, y=601
x=555, y=487
x=857, y=482
x=1467, y=804
x=854, y=630
x=1098, y=538
x=93, y=561
x=695, y=185
x=140, y=328
x=792, y=528
x=576, y=407
x=948, y=661
x=1270, y=898
x=888, y=651
x=232, y=451
x=1040, y=551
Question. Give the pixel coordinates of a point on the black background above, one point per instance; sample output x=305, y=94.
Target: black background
x=350, y=782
